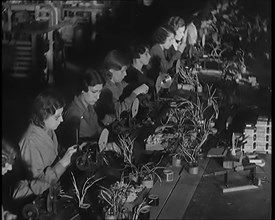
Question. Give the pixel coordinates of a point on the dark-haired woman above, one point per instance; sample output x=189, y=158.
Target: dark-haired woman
x=164, y=38
x=114, y=67
x=178, y=25
x=136, y=72
x=80, y=119
x=39, y=146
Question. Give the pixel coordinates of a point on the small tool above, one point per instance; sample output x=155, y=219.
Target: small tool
x=252, y=176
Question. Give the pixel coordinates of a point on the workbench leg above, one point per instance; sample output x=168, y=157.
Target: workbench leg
x=252, y=174
x=226, y=179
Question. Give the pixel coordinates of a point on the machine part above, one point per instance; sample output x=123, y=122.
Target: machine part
x=153, y=199
x=239, y=188
x=257, y=182
x=49, y=205
x=103, y=139
x=251, y=167
x=118, y=127
x=144, y=100
x=168, y=175
x=40, y=19
x=163, y=81
x=264, y=179
x=252, y=176
x=30, y=212
x=135, y=106
x=82, y=162
x=51, y=198
x=88, y=157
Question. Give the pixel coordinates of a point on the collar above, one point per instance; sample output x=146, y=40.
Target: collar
x=82, y=107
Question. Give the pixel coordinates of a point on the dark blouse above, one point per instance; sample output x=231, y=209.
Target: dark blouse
x=80, y=124
x=137, y=78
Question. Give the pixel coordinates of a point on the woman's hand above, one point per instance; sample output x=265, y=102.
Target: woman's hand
x=143, y=89
x=108, y=119
x=9, y=216
x=66, y=159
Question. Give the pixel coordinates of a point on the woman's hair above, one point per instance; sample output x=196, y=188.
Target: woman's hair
x=176, y=22
x=138, y=49
x=115, y=60
x=146, y=2
x=8, y=153
x=162, y=33
x=193, y=18
x=90, y=77
x=44, y=105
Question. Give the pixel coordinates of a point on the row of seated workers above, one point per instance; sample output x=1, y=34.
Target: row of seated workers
x=57, y=129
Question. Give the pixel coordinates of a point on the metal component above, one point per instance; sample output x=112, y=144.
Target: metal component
x=163, y=81
x=252, y=176
x=87, y=158
x=30, y=211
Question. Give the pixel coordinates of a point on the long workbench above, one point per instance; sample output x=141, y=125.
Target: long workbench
x=209, y=201
x=175, y=196
x=196, y=197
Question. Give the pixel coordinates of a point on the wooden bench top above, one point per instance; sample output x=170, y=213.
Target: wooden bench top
x=175, y=196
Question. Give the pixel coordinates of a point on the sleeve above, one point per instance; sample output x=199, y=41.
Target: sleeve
x=104, y=105
x=41, y=175
x=68, y=130
x=165, y=65
x=149, y=82
x=125, y=105
x=131, y=76
x=145, y=79
x=119, y=105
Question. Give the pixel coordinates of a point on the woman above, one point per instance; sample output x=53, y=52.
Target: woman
x=80, y=119
x=164, y=38
x=161, y=63
x=39, y=146
x=114, y=68
x=136, y=72
x=8, y=158
x=178, y=25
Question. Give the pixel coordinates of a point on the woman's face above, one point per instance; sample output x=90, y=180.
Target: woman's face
x=147, y=2
x=118, y=75
x=168, y=42
x=6, y=168
x=93, y=93
x=145, y=57
x=180, y=33
x=53, y=121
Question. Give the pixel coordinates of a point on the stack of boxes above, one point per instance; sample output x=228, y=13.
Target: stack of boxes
x=258, y=137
